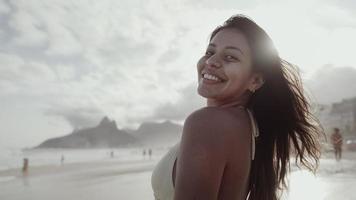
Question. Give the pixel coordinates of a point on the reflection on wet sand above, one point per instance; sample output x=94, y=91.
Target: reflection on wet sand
x=332, y=181
x=305, y=185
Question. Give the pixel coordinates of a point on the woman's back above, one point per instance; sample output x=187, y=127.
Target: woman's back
x=235, y=137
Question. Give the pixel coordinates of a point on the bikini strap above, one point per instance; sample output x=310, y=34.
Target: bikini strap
x=255, y=132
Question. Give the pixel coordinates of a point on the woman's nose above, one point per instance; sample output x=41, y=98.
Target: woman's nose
x=213, y=61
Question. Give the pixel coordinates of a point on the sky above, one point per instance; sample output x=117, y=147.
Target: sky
x=65, y=64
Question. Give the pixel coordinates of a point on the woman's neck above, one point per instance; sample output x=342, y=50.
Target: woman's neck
x=239, y=102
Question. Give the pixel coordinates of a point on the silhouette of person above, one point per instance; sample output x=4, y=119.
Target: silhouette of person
x=25, y=166
x=150, y=153
x=62, y=159
x=25, y=172
x=144, y=153
x=336, y=140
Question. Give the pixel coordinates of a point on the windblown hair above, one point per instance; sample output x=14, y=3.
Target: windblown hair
x=286, y=124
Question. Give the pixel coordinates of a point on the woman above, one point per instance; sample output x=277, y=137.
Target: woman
x=239, y=146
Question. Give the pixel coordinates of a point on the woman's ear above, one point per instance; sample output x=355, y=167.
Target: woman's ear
x=256, y=82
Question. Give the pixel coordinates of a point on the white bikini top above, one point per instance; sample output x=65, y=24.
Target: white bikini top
x=161, y=179
x=255, y=133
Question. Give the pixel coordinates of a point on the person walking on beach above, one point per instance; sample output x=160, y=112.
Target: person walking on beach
x=62, y=159
x=150, y=153
x=256, y=118
x=144, y=153
x=337, y=141
x=25, y=166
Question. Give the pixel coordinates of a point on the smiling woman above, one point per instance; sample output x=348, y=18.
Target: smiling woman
x=238, y=146
x=225, y=69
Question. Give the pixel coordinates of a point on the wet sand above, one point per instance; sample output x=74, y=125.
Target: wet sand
x=94, y=180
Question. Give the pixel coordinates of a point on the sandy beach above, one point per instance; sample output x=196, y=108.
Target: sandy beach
x=130, y=180
x=91, y=180
x=333, y=180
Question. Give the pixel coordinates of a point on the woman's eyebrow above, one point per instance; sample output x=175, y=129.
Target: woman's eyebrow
x=211, y=45
x=228, y=47
x=235, y=48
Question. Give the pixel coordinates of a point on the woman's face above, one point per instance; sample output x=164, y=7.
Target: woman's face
x=224, y=72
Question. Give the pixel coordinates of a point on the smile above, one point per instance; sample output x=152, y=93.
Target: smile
x=211, y=77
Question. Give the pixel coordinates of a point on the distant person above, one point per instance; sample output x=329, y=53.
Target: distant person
x=25, y=166
x=150, y=153
x=112, y=154
x=62, y=159
x=144, y=153
x=336, y=140
x=25, y=172
x=239, y=145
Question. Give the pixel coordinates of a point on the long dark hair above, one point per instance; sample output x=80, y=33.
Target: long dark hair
x=286, y=124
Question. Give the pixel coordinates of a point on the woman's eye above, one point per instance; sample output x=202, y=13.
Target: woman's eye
x=229, y=57
x=208, y=53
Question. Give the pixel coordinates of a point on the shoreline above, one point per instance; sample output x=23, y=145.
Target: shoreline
x=125, y=165
x=113, y=167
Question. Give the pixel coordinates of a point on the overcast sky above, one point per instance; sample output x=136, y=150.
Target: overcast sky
x=65, y=64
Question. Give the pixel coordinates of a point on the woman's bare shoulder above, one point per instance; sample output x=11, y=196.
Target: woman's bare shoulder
x=211, y=118
x=217, y=128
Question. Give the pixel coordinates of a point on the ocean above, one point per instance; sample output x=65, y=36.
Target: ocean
x=11, y=158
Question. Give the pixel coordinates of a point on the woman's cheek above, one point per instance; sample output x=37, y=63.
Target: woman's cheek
x=200, y=64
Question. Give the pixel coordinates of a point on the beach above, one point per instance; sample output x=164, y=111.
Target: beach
x=131, y=179
x=94, y=180
x=332, y=181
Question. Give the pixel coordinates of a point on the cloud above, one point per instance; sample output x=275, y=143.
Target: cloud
x=122, y=50
x=29, y=29
x=77, y=117
x=186, y=103
x=80, y=60
x=62, y=41
x=9, y=66
x=349, y=5
x=4, y=8
x=331, y=84
x=23, y=77
x=227, y=4
x=333, y=17
x=84, y=55
x=168, y=56
x=42, y=82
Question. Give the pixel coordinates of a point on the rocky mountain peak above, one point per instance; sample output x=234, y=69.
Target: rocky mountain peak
x=106, y=122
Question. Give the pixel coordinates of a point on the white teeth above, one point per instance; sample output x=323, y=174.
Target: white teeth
x=210, y=77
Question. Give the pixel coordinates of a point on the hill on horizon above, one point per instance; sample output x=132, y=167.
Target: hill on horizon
x=107, y=135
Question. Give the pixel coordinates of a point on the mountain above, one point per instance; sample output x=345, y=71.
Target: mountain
x=105, y=134
x=158, y=134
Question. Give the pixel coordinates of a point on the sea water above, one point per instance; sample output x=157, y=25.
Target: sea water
x=13, y=157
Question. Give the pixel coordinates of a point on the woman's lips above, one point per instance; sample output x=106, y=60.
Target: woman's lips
x=211, y=77
x=207, y=81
